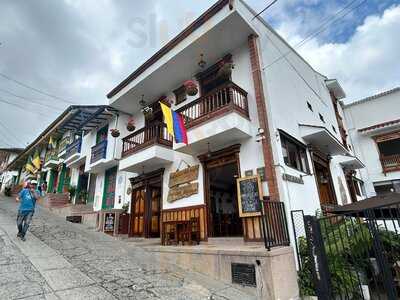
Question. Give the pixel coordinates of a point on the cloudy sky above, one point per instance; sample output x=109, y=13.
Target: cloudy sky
x=75, y=51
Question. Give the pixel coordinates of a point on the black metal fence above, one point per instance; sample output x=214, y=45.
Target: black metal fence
x=352, y=256
x=274, y=224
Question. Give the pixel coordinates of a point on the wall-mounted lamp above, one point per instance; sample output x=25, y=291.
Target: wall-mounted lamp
x=201, y=62
x=260, y=135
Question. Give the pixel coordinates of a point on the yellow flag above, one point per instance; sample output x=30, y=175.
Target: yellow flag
x=36, y=159
x=168, y=118
x=52, y=143
x=29, y=167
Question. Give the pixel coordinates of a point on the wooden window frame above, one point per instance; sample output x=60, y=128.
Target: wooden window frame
x=178, y=95
x=285, y=139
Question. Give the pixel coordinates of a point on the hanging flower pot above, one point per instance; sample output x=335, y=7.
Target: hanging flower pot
x=130, y=126
x=115, y=132
x=190, y=87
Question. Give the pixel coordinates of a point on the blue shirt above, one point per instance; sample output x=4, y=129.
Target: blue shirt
x=27, y=200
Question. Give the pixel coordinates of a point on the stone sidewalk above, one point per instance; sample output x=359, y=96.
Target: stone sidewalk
x=61, y=260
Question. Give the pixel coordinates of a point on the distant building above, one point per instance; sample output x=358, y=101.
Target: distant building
x=8, y=177
x=374, y=130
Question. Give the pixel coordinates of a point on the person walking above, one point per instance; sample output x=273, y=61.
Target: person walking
x=27, y=198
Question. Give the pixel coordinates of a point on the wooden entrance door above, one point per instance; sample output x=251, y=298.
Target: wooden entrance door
x=109, y=188
x=224, y=223
x=154, y=210
x=138, y=212
x=146, y=205
x=324, y=180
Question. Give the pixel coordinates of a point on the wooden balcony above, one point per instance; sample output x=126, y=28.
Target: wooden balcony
x=98, y=151
x=390, y=163
x=155, y=134
x=223, y=99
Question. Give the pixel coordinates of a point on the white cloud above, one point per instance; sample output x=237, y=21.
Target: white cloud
x=367, y=63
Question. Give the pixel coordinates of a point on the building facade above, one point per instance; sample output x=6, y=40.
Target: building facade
x=374, y=130
x=251, y=107
x=259, y=109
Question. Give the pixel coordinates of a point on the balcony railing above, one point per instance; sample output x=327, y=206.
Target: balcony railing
x=390, y=163
x=98, y=152
x=73, y=148
x=142, y=138
x=63, y=144
x=51, y=155
x=225, y=98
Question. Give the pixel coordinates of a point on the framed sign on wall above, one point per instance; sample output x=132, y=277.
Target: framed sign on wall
x=249, y=195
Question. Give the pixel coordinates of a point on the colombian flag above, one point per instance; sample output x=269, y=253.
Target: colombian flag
x=175, y=125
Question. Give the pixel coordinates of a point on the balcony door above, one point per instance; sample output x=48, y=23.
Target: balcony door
x=146, y=205
x=216, y=75
x=101, y=134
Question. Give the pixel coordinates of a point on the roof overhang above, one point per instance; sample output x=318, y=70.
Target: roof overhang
x=321, y=138
x=350, y=162
x=213, y=10
x=219, y=36
x=75, y=118
x=335, y=88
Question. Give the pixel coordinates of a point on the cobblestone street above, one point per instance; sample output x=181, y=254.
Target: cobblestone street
x=62, y=260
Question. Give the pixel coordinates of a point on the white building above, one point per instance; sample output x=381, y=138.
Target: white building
x=260, y=109
x=374, y=130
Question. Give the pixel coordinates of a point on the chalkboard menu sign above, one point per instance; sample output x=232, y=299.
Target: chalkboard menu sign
x=249, y=195
x=109, y=220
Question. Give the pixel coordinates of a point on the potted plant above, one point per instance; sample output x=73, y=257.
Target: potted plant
x=83, y=195
x=190, y=87
x=225, y=68
x=71, y=191
x=115, y=132
x=130, y=126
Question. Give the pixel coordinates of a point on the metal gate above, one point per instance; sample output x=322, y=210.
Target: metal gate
x=352, y=256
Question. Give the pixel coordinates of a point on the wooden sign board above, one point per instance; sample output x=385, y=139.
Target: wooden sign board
x=291, y=178
x=184, y=176
x=182, y=191
x=249, y=195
